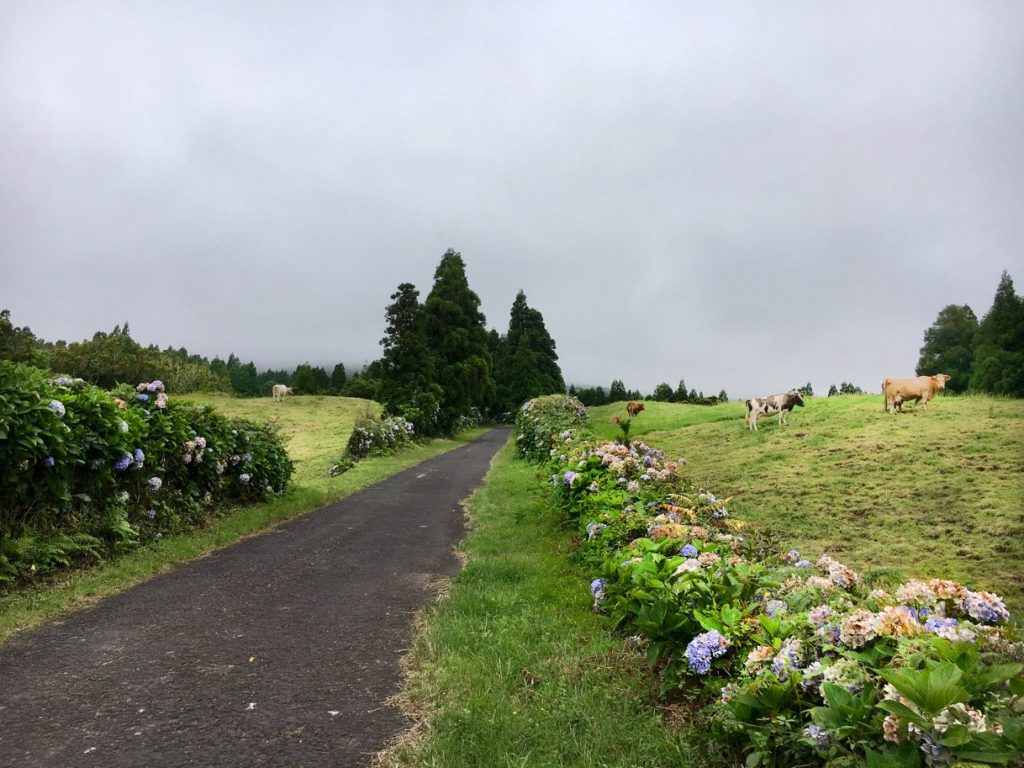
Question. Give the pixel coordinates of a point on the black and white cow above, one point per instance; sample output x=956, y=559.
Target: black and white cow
x=769, y=406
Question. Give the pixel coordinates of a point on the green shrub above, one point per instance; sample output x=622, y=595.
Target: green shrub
x=86, y=473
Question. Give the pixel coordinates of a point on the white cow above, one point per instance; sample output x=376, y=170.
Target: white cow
x=280, y=391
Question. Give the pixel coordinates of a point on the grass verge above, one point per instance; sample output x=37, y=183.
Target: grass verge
x=513, y=668
x=28, y=608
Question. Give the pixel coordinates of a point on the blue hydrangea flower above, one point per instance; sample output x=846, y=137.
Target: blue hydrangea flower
x=138, y=458
x=57, y=407
x=688, y=550
x=703, y=649
x=124, y=462
x=774, y=607
x=244, y=478
x=150, y=513
x=818, y=735
x=49, y=461
x=803, y=564
x=143, y=397
x=597, y=589
x=155, y=483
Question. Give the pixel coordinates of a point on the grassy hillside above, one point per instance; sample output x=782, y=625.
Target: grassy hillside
x=315, y=428
x=928, y=494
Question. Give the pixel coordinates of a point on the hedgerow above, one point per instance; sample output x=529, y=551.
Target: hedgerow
x=86, y=473
x=796, y=662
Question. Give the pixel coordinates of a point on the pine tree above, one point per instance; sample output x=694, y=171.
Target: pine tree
x=408, y=385
x=998, y=366
x=457, y=339
x=949, y=346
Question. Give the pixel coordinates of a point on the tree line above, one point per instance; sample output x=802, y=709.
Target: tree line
x=663, y=393
x=114, y=357
x=985, y=356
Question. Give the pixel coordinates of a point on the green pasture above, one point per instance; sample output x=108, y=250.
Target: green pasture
x=928, y=494
x=315, y=430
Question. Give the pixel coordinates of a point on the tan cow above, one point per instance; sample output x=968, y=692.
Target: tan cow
x=923, y=388
x=633, y=408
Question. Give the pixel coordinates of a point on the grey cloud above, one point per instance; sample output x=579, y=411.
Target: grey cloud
x=749, y=197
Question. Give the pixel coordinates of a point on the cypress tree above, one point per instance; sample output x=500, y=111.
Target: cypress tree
x=999, y=357
x=455, y=333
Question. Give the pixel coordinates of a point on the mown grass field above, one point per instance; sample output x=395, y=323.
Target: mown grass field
x=315, y=429
x=928, y=494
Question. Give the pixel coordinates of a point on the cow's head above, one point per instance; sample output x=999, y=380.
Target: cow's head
x=796, y=398
x=940, y=380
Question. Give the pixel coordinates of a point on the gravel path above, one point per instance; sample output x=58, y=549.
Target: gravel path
x=278, y=651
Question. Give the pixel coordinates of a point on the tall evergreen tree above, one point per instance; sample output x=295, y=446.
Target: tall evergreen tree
x=338, y=378
x=949, y=346
x=455, y=332
x=681, y=394
x=999, y=357
x=525, y=364
x=408, y=385
x=617, y=392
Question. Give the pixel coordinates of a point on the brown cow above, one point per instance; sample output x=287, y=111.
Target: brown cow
x=633, y=408
x=923, y=388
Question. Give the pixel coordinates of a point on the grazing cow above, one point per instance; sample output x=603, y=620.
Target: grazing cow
x=633, y=408
x=280, y=391
x=769, y=406
x=923, y=388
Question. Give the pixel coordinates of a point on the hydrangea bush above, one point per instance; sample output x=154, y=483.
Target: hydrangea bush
x=799, y=660
x=379, y=436
x=544, y=422
x=86, y=473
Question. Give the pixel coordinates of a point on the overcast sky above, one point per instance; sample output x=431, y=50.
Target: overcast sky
x=748, y=195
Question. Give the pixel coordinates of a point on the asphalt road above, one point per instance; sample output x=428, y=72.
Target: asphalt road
x=281, y=650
